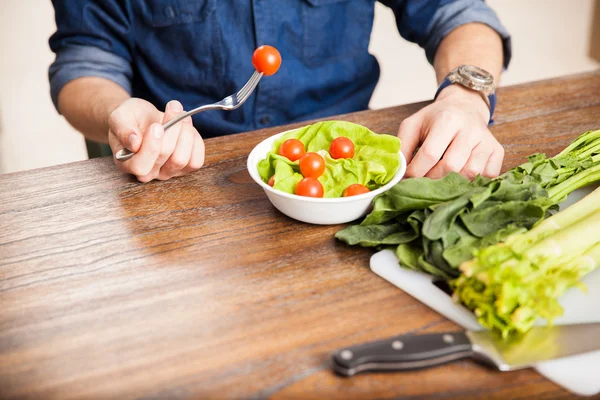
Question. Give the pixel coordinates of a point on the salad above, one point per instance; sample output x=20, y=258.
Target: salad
x=331, y=159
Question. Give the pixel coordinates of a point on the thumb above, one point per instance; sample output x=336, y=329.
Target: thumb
x=124, y=126
x=143, y=162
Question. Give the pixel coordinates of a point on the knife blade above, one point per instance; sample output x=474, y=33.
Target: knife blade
x=410, y=352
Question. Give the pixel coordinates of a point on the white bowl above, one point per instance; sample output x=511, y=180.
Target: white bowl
x=321, y=211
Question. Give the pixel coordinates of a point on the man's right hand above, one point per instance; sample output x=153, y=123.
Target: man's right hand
x=137, y=125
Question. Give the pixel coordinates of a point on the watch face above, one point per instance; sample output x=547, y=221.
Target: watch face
x=476, y=74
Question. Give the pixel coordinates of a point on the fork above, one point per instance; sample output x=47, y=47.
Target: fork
x=228, y=103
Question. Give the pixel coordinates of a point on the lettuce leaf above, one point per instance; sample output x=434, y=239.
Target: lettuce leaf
x=376, y=158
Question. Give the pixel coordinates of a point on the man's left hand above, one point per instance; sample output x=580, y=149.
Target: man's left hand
x=453, y=136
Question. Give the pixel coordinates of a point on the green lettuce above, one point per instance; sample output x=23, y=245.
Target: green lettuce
x=376, y=158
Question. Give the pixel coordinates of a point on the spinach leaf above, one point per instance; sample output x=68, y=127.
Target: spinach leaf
x=416, y=194
x=408, y=256
x=446, y=213
x=465, y=248
x=491, y=219
x=368, y=236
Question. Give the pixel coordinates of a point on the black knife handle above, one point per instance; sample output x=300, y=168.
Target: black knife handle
x=400, y=353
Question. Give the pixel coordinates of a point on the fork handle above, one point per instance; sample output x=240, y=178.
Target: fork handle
x=180, y=117
x=125, y=154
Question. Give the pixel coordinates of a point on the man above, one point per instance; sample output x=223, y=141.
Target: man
x=118, y=62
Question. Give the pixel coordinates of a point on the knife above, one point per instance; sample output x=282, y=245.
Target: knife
x=410, y=352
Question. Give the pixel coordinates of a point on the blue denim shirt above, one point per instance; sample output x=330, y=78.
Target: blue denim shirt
x=199, y=51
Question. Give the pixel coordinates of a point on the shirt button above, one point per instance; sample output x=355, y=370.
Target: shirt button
x=265, y=119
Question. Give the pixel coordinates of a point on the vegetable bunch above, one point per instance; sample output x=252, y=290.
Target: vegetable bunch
x=509, y=285
x=436, y=225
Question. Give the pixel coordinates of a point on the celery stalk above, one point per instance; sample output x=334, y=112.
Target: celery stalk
x=583, y=141
x=593, y=256
x=584, y=178
x=510, y=285
x=510, y=297
x=575, y=239
x=584, y=207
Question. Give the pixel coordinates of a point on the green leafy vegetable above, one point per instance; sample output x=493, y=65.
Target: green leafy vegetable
x=285, y=178
x=376, y=159
x=446, y=218
x=449, y=219
x=510, y=285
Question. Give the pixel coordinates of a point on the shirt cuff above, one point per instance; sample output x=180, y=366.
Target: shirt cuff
x=461, y=12
x=76, y=61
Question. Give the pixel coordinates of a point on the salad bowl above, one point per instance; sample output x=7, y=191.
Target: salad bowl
x=320, y=211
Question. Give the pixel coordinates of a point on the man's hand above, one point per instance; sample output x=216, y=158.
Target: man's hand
x=453, y=136
x=137, y=125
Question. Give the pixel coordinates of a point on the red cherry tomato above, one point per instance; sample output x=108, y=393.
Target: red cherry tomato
x=293, y=149
x=312, y=165
x=271, y=181
x=355, y=189
x=309, y=187
x=266, y=59
x=341, y=147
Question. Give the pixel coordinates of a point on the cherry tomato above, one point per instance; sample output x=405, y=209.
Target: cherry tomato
x=271, y=181
x=266, y=59
x=355, y=189
x=341, y=147
x=293, y=149
x=309, y=187
x=312, y=165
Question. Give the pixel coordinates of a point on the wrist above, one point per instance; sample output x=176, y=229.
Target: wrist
x=471, y=99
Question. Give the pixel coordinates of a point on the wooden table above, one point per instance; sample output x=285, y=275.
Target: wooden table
x=198, y=288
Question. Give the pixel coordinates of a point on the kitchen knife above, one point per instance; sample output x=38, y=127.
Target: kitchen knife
x=411, y=352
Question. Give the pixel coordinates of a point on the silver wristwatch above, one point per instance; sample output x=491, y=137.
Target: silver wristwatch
x=474, y=78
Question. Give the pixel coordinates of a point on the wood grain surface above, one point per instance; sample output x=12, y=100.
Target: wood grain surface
x=198, y=288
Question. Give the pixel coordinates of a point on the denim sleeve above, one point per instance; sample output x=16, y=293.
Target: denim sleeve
x=92, y=38
x=76, y=61
x=427, y=22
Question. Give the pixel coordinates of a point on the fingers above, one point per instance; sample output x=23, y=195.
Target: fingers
x=137, y=125
x=409, y=134
x=129, y=124
x=197, y=158
x=456, y=156
x=494, y=164
x=182, y=149
x=450, y=136
x=442, y=131
x=188, y=154
x=171, y=137
x=477, y=161
x=142, y=163
x=182, y=153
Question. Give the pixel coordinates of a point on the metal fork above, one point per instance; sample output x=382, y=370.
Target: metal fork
x=228, y=103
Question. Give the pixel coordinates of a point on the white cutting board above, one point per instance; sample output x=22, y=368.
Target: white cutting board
x=578, y=374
